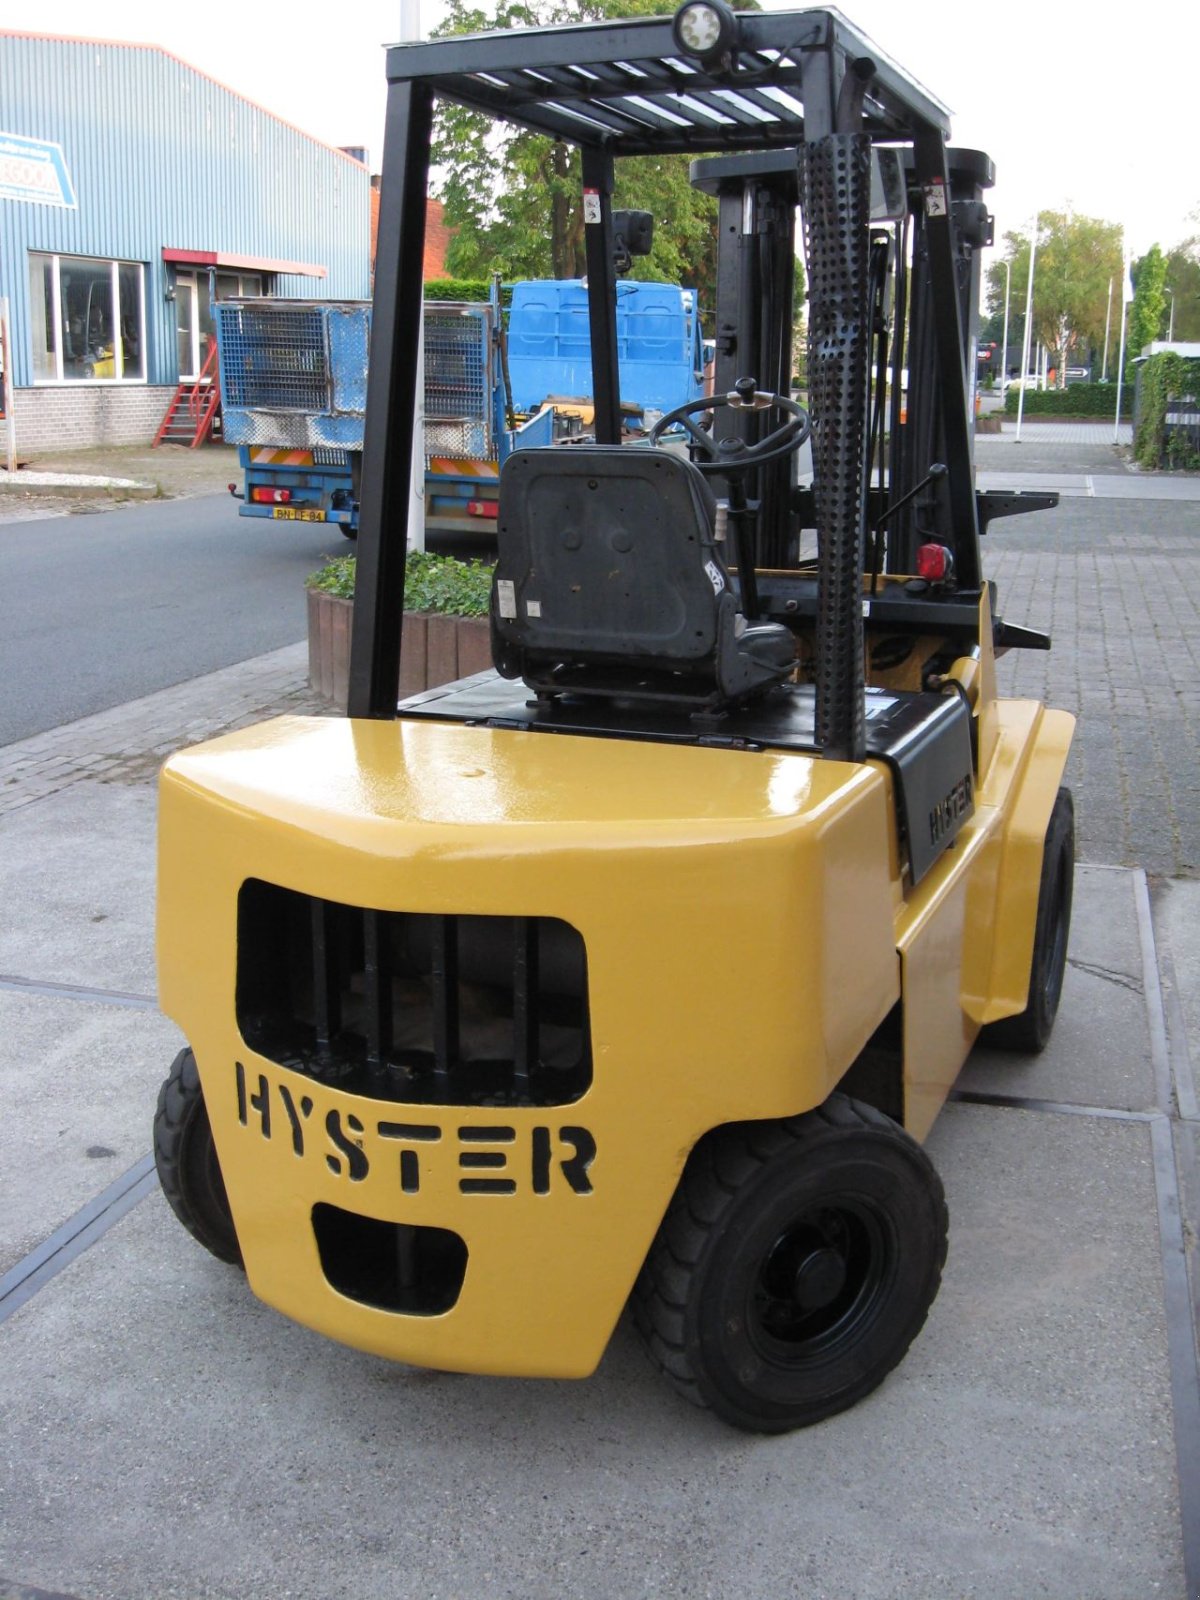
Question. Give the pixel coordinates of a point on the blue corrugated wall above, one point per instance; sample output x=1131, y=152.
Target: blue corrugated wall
x=162, y=156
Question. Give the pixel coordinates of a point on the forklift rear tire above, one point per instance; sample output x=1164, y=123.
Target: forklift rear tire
x=1030, y=1031
x=796, y=1264
x=186, y=1158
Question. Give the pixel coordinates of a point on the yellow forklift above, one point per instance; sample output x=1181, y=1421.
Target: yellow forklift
x=637, y=969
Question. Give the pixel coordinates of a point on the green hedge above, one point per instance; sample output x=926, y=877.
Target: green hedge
x=431, y=583
x=457, y=288
x=1165, y=377
x=465, y=289
x=1080, y=400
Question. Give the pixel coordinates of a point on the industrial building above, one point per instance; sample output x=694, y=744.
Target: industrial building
x=133, y=189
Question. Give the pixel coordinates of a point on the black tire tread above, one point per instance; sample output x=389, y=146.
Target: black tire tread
x=180, y=1118
x=1027, y=1033
x=661, y=1292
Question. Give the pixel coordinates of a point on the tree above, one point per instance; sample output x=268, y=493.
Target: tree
x=1149, y=302
x=1077, y=258
x=513, y=198
x=1183, y=280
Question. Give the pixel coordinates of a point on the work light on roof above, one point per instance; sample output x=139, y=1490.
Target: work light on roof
x=704, y=28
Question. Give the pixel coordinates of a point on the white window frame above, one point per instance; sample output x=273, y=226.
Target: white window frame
x=114, y=266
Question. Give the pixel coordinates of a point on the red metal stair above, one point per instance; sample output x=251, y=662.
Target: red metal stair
x=195, y=408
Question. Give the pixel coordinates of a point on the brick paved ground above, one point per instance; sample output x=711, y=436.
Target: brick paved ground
x=1117, y=586
x=129, y=743
x=1086, y=435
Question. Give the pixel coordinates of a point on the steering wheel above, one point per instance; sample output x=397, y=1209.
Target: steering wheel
x=735, y=456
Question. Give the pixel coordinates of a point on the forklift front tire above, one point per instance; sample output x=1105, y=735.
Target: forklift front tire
x=796, y=1264
x=1030, y=1031
x=186, y=1159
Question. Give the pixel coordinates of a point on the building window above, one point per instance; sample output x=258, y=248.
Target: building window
x=89, y=320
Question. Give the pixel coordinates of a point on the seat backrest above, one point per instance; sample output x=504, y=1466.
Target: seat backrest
x=606, y=556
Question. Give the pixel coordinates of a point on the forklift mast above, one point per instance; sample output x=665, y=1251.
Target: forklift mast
x=789, y=109
x=757, y=196
x=933, y=429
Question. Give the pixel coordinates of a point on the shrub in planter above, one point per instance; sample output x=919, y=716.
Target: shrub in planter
x=446, y=632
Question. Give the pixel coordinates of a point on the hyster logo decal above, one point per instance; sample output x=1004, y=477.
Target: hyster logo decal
x=489, y=1158
x=950, y=810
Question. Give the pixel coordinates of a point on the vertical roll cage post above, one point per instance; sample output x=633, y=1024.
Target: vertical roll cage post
x=388, y=430
x=800, y=82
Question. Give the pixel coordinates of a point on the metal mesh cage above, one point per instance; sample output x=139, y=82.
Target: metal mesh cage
x=459, y=437
x=274, y=357
x=457, y=390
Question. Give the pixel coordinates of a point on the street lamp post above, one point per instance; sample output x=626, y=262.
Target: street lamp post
x=1028, y=326
x=1126, y=298
x=1004, y=356
x=1171, y=324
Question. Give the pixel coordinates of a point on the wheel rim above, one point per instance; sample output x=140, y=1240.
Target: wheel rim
x=820, y=1283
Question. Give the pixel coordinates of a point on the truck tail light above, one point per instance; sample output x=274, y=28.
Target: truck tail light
x=482, y=508
x=266, y=496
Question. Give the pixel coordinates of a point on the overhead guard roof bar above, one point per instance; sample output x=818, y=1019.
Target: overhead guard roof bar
x=624, y=83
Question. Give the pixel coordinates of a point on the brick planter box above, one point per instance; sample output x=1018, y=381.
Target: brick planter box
x=436, y=648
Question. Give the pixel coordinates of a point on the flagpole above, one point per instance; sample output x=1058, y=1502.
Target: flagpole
x=1107, y=322
x=1004, y=357
x=1028, y=327
x=1126, y=297
x=410, y=29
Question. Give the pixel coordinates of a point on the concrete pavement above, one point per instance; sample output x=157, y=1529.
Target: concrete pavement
x=57, y=483
x=166, y=1435
x=1098, y=486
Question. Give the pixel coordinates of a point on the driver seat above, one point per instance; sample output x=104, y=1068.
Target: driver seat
x=610, y=582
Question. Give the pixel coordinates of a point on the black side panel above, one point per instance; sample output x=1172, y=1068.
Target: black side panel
x=934, y=768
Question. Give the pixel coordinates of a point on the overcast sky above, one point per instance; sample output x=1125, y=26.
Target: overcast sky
x=1091, y=108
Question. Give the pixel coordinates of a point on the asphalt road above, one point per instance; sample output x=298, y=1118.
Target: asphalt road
x=97, y=610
